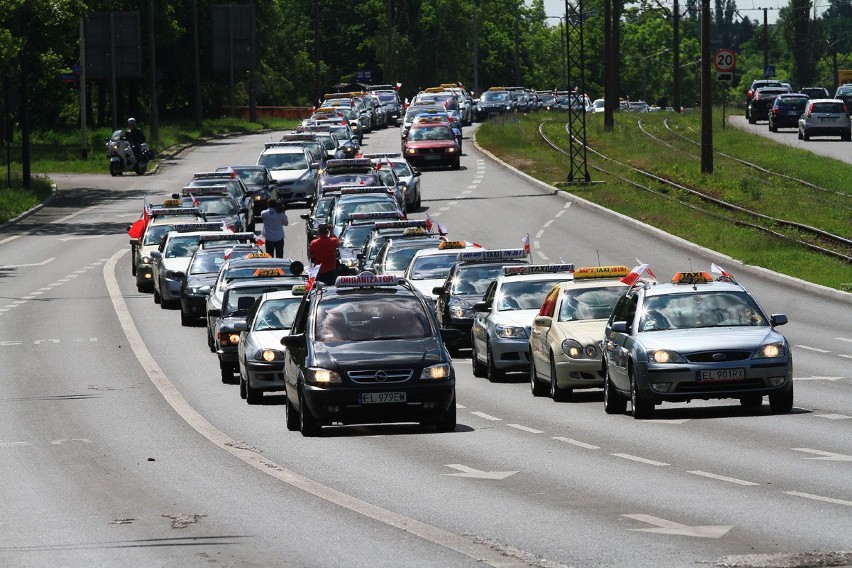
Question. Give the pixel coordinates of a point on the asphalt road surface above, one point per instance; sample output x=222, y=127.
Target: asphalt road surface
x=120, y=446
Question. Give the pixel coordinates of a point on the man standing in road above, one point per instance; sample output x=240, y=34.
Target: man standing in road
x=323, y=252
x=274, y=220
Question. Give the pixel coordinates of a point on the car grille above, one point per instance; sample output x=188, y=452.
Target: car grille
x=380, y=376
x=711, y=356
x=707, y=386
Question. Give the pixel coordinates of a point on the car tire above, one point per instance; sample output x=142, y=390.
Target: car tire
x=242, y=387
x=751, y=401
x=781, y=402
x=642, y=409
x=536, y=387
x=614, y=403
x=253, y=395
x=227, y=373
x=448, y=421
x=806, y=135
x=492, y=373
x=210, y=343
x=846, y=137
x=556, y=393
x=292, y=416
x=157, y=297
x=801, y=136
x=308, y=425
x=772, y=128
x=185, y=320
x=478, y=368
x=456, y=165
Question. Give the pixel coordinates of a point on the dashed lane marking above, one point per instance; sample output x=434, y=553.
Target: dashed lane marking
x=577, y=443
x=722, y=477
x=833, y=416
x=819, y=498
x=549, y=223
x=808, y=348
x=846, y=339
x=486, y=416
x=524, y=428
x=641, y=460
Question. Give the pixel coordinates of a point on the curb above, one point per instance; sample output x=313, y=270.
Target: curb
x=33, y=209
x=673, y=239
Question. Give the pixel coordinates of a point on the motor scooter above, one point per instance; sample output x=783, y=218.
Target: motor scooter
x=121, y=156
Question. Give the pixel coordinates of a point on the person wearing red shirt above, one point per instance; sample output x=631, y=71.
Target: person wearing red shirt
x=323, y=253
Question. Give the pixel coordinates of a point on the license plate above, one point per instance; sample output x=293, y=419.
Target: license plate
x=432, y=157
x=381, y=397
x=826, y=119
x=721, y=375
x=792, y=113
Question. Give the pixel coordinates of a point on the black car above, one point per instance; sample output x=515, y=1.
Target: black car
x=761, y=102
x=260, y=186
x=385, y=230
x=494, y=101
x=815, y=92
x=844, y=93
x=368, y=350
x=318, y=215
x=758, y=84
x=786, y=110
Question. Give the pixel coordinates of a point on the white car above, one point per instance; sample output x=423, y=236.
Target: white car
x=429, y=267
x=292, y=170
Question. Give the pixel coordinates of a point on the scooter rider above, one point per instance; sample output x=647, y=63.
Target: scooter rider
x=135, y=137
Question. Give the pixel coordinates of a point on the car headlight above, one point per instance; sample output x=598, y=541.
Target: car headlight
x=257, y=197
x=174, y=274
x=451, y=150
x=146, y=260
x=229, y=338
x=436, y=372
x=665, y=356
x=350, y=262
x=199, y=290
x=460, y=309
x=269, y=355
x=317, y=375
x=410, y=151
x=510, y=332
x=770, y=351
x=572, y=348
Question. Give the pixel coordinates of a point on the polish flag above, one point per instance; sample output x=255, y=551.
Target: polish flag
x=428, y=223
x=312, y=277
x=225, y=226
x=647, y=269
x=634, y=275
x=194, y=200
x=716, y=269
x=137, y=229
x=526, y=242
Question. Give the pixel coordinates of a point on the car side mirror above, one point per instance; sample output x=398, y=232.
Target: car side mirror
x=214, y=313
x=619, y=326
x=482, y=307
x=305, y=216
x=156, y=254
x=293, y=340
x=437, y=290
x=543, y=321
x=239, y=326
x=416, y=173
x=134, y=242
x=778, y=319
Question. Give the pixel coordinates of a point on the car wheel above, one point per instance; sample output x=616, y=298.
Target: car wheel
x=772, y=128
x=253, y=395
x=536, y=387
x=493, y=374
x=456, y=165
x=133, y=266
x=292, y=417
x=227, y=373
x=752, y=120
x=454, y=350
x=242, y=387
x=556, y=393
x=157, y=297
x=307, y=423
x=210, y=343
x=781, y=402
x=185, y=320
x=846, y=137
x=801, y=136
x=478, y=368
x=448, y=422
x=806, y=135
x=614, y=403
x=751, y=401
x=642, y=409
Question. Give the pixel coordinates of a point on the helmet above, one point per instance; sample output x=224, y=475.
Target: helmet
x=131, y=121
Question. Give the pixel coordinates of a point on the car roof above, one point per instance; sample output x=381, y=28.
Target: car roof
x=264, y=281
x=715, y=286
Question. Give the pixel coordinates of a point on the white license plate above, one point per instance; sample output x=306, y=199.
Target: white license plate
x=432, y=157
x=381, y=397
x=721, y=375
x=826, y=119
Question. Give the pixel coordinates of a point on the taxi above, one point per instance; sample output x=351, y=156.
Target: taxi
x=396, y=253
x=362, y=199
x=466, y=283
x=429, y=267
x=169, y=261
x=292, y=168
x=502, y=320
x=696, y=338
x=216, y=204
x=162, y=220
x=565, y=339
x=355, y=235
x=409, y=178
x=431, y=143
x=367, y=350
x=237, y=301
x=385, y=230
x=236, y=188
x=259, y=351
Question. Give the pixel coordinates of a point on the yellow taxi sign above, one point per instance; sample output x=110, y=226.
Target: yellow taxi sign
x=258, y=254
x=414, y=231
x=171, y=203
x=692, y=278
x=448, y=245
x=601, y=272
x=268, y=272
x=299, y=290
x=435, y=90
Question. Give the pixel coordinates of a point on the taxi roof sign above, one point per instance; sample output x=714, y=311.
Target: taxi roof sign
x=205, y=190
x=214, y=175
x=352, y=190
x=374, y=215
x=366, y=280
x=587, y=272
x=170, y=203
x=408, y=223
x=299, y=290
x=692, y=278
x=537, y=269
x=448, y=245
x=497, y=254
x=268, y=272
x=380, y=155
x=228, y=236
x=192, y=227
x=163, y=211
x=348, y=163
x=414, y=231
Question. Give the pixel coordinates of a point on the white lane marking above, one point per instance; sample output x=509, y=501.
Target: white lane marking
x=559, y=213
x=452, y=202
x=542, y=255
x=670, y=527
x=445, y=208
x=29, y=296
x=722, y=477
x=567, y=205
x=80, y=238
x=81, y=271
x=477, y=473
x=823, y=455
x=72, y=276
x=14, y=444
x=537, y=244
x=834, y=416
x=846, y=339
x=525, y=428
x=42, y=263
x=808, y=348
x=175, y=399
x=18, y=302
x=468, y=191
x=460, y=406
x=577, y=443
x=642, y=460
x=437, y=214
x=9, y=239
x=486, y=416
x=548, y=223
x=539, y=234
x=844, y=356
x=818, y=378
x=819, y=498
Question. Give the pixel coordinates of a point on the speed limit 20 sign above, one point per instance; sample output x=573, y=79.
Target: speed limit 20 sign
x=725, y=60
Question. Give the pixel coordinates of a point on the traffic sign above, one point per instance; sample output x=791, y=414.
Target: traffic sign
x=724, y=77
x=725, y=60
x=768, y=71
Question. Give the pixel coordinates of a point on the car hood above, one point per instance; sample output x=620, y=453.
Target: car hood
x=197, y=280
x=287, y=175
x=270, y=339
x=430, y=144
x=519, y=318
x=179, y=264
x=706, y=339
x=365, y=354
x=425, y=286
x=586, y=331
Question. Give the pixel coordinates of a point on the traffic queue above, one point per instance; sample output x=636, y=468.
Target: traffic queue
x=372, y=338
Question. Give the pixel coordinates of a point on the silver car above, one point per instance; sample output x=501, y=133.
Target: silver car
x=825, y=117
x=695, y=338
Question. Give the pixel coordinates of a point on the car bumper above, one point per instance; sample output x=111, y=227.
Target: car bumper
x=428, y=160
x=144, y=275
x=170, y=289
x=265, y=376
x=578, y=373
x=424, y=402
x=511, y=354
x=227, y=355
x=195, y=306
x=292, y=191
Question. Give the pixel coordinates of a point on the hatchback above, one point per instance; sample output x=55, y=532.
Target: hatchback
x=786, y=110
x=825, y=117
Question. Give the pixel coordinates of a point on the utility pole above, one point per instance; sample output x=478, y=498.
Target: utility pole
x=765, y=41
x=389, y=70
x=196, y=67
x=706, y=92
x=517, y=42
x=152, y=56
x=610, y=96
x=84, y=135
x=676, y=56
x=475, y=51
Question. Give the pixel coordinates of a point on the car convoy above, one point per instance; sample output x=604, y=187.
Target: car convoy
x=377, y=346
x=811, y=111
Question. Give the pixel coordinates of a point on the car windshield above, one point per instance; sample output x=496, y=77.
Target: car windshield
x=218, y=206
x=294, y=161
x=387, y=97
x=155, y=233
x=431, y=133
x=179, y=247
x=346, y=208
x=589, y=303
x=495, y=97
x=208, y=263
x=355, y=236
x=350, y=179
x=475, y=279
x=370, y=319
x=276, y=315
x=398, y=258
x=402, y=168
x=797, y=103
x=524, y=295
x=235, y=190
x=700, y=309
x=239, y=301
x=432, y=266
x=252, y=177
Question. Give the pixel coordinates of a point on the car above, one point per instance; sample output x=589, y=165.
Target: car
x=696, y=338
x=237, y=301
x=598, y=105
x=367, y=350
x=786, y=110
x=347, y=143
x=429, y=267
x=825, y=117
x=409, y=177
x=494, y=101
x=354, y=236
x=566, y=335
x=815, y=92
x=757, y=84
x=347, y=172
x=547, y=100
x=385, y=230
x=161, y=220
x=324, y=136
x=412, y=112
x=466, y=283
x=260, y=186
x=311, y=142
x=396, y=253
x=844, y=93
x=216, y=205
x=762, y=101
x=390, y=101
x=260, y=355
x=317, y=216
x=502, y=319
x=235, y=188
x=440, y=117
x=169, y=261
x=292, y=168
x=432, y=144
x=362, y=199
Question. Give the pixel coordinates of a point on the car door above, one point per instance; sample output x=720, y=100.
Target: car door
x=541, y=335
x=479, y=332
x=617, y=343
x=297, y=348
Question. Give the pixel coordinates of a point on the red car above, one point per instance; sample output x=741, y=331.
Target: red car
x=431, y=144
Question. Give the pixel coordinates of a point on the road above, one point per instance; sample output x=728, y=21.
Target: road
x=830, y=147
x=119, y=445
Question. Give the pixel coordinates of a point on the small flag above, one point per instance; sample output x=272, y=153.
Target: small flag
x=715, y=268
x=225, y=226
x=312, y=277
x=137, y=229
x=428, y=223
x=194, y=200
x=526, y=242
x=647, y=269
x=398, y=86
x=634, y=275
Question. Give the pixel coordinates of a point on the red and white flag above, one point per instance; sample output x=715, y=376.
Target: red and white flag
x=428, y=223
x=312, y=277
x=137, y=229
x=634, y=275
x=647, y=269
x=225, y=226
x=716, y=269
x=194, y=200
x=526, y=242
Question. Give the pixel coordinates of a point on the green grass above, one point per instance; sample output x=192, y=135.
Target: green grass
x=15, y=200
x=517, y=141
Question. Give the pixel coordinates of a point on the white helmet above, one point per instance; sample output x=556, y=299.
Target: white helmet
x=131, y=121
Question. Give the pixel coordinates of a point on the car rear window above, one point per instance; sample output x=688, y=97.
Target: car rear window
x=828, y=107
